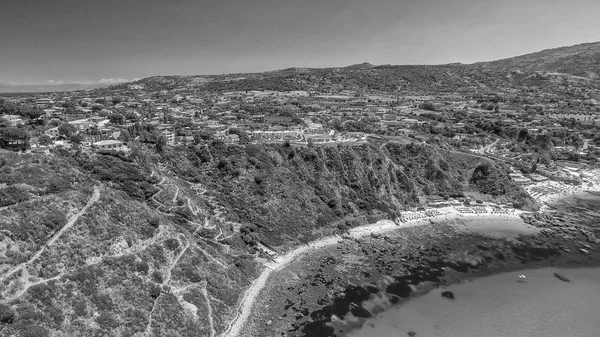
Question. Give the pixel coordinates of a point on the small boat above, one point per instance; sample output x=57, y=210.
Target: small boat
x=522, y=278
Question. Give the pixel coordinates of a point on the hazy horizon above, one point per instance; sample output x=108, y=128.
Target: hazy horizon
x=96, y=43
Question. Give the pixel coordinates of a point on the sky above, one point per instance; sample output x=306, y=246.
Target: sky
x=106, y=41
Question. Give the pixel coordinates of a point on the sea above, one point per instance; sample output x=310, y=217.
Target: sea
x=531, y=302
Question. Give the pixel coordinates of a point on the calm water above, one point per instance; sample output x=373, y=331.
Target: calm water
x=499, y=306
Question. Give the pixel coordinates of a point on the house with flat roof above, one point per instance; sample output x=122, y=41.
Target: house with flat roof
x=110, y=144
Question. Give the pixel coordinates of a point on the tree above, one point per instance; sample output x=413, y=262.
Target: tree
x=67, y=130
x=14, y=138
x=94, y=129
x=427, y=106
x=160, y=144
x=116, y=119
x=131, y=116
x=44, y=140
x=32, y=113
x=54, y=123
x=124, y=136
x=76, y=138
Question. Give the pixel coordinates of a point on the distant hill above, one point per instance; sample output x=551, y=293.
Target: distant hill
x=578, y=60
x=582, y=61
x=364, y=65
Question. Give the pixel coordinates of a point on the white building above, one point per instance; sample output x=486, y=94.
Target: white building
x=169, y=136
x=116, y=145
x=52, y=132
x=14, y=120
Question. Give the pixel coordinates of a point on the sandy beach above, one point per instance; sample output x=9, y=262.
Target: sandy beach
x=406, y=219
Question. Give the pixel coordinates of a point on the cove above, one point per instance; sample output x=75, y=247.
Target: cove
x=499, y=306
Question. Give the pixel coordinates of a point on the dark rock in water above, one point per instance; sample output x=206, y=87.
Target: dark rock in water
x=399, y=289
x=359, y=311
x=412, y=333
x=561, y=277
x=448, y=294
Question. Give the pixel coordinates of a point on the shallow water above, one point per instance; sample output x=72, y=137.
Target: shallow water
x=499, y=306
x=496, y=227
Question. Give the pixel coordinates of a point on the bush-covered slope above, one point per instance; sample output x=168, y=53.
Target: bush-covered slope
x=579, y=60
x=287, y=193
x=99, y=246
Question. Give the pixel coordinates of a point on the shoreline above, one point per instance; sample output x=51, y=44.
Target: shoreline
x=561, y=191
x=244, y=308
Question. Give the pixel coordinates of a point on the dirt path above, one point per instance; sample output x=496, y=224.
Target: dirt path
x=176, y=193
x=69, y=224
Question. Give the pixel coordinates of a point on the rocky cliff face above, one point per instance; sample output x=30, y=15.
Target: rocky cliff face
x=112, y=245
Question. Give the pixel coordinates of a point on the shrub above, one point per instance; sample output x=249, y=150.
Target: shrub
x=56, y=314
x=154, y=221
x=57, y=185
x=157, y=277
x=103, y=302
x=55, y=220
x=12, y=195
x=7, y=315
x=34, y=331
x=154, y=291
x=143, y=267
x=251, y=239
x=343, y=227
x=80, y=308
x=171, y=244
x=106, y=321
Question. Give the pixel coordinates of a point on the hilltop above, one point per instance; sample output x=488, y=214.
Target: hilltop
x=520, y=71
x=364, y=65
x=578, y=60
x=581, y=60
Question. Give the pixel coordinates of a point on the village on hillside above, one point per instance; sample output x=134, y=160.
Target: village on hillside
x=535, y=131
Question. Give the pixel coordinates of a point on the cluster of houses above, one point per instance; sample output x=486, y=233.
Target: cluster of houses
x=254, y=116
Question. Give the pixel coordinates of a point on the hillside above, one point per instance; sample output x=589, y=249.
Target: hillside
x=289, y=195
x=112, y=245
x=578, y=60
x=105, y=246
x=364, y=65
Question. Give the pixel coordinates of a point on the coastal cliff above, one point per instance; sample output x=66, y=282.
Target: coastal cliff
x=142, y=244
